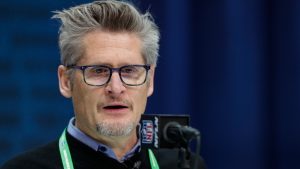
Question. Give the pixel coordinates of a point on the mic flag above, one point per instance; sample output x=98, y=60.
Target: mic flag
x=153, y=126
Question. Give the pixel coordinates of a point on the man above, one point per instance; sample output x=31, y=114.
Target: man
x=108, y=57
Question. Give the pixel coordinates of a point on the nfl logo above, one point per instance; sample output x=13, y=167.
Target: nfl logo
x=147, y=132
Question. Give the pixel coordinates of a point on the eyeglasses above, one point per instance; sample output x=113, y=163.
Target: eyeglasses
x=99, y=75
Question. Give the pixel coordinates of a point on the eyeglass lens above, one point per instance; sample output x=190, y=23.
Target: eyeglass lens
x=130, y=75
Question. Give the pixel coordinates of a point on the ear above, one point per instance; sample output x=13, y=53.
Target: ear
x=64, y=82
x=151, y=81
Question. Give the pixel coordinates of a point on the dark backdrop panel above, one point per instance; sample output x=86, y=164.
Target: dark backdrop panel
x=233, y=65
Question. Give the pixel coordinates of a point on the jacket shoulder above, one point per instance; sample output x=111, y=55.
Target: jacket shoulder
x=46, y=157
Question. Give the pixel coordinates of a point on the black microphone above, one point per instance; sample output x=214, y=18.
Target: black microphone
x=159, y=131
x=166, y=131
x=179, y=135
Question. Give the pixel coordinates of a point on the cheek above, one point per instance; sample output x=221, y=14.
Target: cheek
x=141, y=101
x=84, y=99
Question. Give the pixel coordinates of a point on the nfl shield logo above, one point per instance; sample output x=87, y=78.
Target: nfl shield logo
x=147, y=132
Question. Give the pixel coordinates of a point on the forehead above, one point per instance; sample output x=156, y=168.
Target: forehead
x=112, y=48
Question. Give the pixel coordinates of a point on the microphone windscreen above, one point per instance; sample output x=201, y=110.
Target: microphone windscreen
x=152, y=126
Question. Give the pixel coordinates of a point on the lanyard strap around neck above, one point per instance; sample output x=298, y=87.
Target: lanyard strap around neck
x=67, y=159
x=153, y=162
x=65, y=152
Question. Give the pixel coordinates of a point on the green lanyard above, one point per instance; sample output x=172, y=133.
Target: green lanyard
x=67, y=159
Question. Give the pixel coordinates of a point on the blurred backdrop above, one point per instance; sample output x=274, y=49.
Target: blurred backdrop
x=233, y=65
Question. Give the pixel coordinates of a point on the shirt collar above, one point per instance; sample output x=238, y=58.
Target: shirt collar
x=97, y=146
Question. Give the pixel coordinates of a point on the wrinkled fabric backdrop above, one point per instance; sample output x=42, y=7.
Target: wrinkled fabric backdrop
x=233, y=65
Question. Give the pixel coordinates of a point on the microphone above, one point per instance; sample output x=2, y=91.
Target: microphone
x=166, y=131
x=179, y=135
x=159, y=131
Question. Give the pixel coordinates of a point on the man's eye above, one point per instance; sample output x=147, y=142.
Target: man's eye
x=129, y=70
x=99, y=70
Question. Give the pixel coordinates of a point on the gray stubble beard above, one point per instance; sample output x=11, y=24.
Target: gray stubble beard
x=115, y=129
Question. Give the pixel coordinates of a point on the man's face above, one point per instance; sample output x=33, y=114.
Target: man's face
x=113, y=109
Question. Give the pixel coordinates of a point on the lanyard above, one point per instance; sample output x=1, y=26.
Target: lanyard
x=67, y=159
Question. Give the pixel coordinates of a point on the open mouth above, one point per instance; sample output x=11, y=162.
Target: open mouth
x=115, y=107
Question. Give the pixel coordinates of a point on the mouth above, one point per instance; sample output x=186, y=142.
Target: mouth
x=115, y=107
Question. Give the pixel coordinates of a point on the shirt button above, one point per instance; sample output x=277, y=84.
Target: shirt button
x=102, y=148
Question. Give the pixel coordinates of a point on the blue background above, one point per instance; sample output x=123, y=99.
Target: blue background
x=233, y=65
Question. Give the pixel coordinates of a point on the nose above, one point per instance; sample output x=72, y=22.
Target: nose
x=115, y=86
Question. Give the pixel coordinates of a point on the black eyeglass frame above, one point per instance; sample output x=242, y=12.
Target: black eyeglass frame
x=111, y=70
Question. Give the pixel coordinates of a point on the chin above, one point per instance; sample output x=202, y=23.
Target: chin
x=115, y=128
